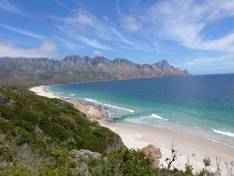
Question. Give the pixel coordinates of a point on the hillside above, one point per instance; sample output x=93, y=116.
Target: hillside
x=27, y=117
x=34, y=71
x=33, y=126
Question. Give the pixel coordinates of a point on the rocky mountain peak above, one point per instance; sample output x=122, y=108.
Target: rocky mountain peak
x=72, y=57
x=162, y=62
x=75, y=68
x=119, y=60
x=100, y=60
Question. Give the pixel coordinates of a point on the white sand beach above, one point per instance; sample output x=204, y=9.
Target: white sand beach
x=190, y=148
x=39, y=90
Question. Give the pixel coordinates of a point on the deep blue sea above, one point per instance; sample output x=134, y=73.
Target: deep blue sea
x=201, y=105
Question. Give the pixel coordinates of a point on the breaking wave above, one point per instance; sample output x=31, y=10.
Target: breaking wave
x=108, y=105
x=144, y=119
x=157, y=117
x=225, y=133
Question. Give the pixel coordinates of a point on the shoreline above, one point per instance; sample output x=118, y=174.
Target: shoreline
x=191, y=148
x=94, y=112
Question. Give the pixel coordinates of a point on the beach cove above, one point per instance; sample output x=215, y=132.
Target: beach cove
x=191, y=149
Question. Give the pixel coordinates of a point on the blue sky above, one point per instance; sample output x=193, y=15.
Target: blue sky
x=197, y=35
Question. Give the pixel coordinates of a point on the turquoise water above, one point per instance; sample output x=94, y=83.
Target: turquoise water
x=201, y=105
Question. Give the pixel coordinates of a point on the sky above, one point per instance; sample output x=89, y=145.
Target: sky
x=197, y=35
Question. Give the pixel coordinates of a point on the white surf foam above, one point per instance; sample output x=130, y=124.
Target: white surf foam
x=225, y=133
x=108, y=105
x=64, y=97
x=72, y=95
x=144, y=119
x=157, y=117
x=93, y=101
x=117, y=107
x=140, y=120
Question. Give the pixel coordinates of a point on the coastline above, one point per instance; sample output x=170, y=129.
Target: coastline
x=94, y=112
x=190, y=148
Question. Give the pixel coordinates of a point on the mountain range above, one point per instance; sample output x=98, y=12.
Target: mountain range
x=34, y=71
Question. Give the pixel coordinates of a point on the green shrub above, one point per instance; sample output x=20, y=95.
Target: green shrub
x=54, y=130
x=62, y=156
x=54, y=170
x=6, y=153
x=6, y=127
x=24, y=136
x=123, y=162
x=68, y=122
x=17, y=170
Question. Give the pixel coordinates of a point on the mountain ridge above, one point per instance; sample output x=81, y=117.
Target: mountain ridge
x=74, y=68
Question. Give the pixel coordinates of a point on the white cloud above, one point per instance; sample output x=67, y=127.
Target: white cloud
x=131, y=24
x=84, y=23
x=47, y=49
x=223, y=44
x=184, y=22
x=69, y=44
x=23, y=32
x=87, y=29
x=92, y=31
x=218, y=60
x=121, y=37
x=82, y=19
x=97, y=53
x=93, y=43
x=97, y=32
x=215, y=64
x=8, y=6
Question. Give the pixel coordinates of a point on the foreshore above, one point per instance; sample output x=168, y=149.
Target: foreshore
x=191, y=149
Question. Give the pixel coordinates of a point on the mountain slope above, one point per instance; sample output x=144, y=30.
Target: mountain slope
x=31, y=71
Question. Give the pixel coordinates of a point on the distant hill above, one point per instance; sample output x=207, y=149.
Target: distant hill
x=33, y=71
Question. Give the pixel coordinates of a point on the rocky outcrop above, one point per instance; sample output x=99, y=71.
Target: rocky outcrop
x=3, y=98
x=84, y=155
x=6, y=101
x=76, y=68
x=154, y=153
x=4, y=148
x=94, y=112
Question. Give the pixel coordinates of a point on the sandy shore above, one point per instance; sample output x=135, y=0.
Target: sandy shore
x=190, y=148
x=39, y=90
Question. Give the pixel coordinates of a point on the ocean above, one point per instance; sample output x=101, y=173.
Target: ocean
x=200, y=105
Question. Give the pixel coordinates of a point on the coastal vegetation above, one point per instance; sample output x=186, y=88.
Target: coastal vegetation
x=49, y=137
